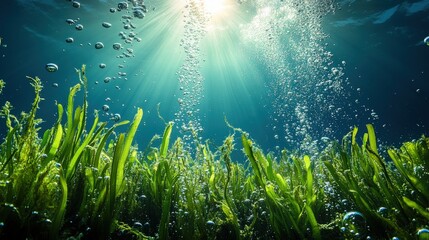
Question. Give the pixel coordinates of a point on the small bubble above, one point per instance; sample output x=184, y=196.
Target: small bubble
x=70, y=21
x=99, y=45
x=51, y=67
x=106, y=24
x=138, y=225
x=69, y=40
x=102, y=65
x=122, y=6
x=105, y=107
x=138, y=13
x=116, y=117
x=54, y=84
x=76, y=4
x=112, y=10
x=426, y=40
x=79, y=27
x=382, y=211
x=107, y=79
x=117, y=46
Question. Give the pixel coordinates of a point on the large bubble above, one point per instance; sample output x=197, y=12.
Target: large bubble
x=354, y=225
x=423, y=234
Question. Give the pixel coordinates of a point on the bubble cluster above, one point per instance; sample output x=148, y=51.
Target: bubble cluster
x=189, y=75
x=130, y=11
x=304, y=81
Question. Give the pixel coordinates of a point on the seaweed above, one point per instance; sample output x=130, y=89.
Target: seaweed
x=82, y=180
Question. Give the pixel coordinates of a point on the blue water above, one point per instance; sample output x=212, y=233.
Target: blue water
x=291, y=74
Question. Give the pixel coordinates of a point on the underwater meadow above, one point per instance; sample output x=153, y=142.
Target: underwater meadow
x=81, y=180
x=214, y=119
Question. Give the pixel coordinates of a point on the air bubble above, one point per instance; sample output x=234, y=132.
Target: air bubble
x=99, y=45
x=354, y=223
x=426, y=40
x=106, y=24
x=122, y=6
x=423, y=234
x=105, y=107
x=76, y=4
x=51, y=67
x=116, y=117
x=79, y=27
x=117, y=46
x=70, y=21
x=384, y=212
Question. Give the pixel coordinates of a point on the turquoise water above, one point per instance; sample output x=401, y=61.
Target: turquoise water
x=293, y=74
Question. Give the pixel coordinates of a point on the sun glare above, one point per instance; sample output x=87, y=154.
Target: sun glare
x=214, y=6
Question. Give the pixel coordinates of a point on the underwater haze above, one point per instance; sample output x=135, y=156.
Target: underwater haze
x=291, y=74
